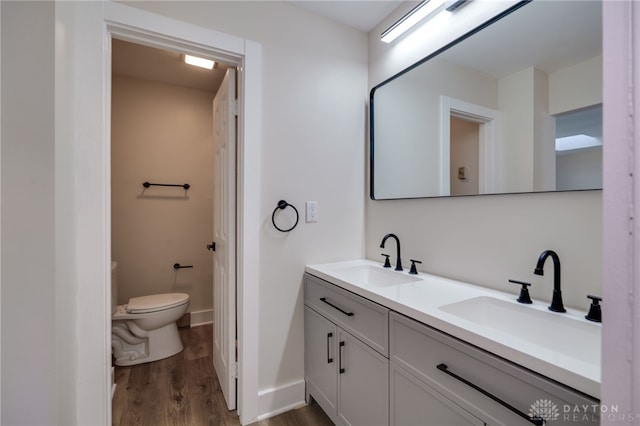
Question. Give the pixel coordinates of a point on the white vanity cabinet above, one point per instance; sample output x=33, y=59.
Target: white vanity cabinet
x=346, y=349
x=437, y=379
x=369, y=365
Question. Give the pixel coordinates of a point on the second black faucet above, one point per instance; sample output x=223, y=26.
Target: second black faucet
x=556, y=300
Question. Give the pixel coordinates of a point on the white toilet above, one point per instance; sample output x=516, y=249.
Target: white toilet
x=145, y=329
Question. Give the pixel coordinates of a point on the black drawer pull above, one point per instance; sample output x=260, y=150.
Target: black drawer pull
x=340, y=358
x=329, y=359
x=535, y=420
x=324, y=299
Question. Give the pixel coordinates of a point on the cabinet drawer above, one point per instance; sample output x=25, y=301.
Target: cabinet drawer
x=364, y=319
x=415, y=403
x=420, y=349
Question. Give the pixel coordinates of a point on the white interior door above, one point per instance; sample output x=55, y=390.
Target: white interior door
x=224, y=237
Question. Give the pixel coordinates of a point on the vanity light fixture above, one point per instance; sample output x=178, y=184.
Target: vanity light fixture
x=415, y=15
x=455, y=4
x=199, y=62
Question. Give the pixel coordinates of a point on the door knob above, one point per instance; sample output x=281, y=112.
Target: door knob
x=211, y=246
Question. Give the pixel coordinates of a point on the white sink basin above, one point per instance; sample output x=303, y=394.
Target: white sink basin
x=563, y=334
x=375, y=276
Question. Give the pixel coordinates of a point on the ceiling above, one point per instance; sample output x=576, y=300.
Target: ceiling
x=572, y=33
x=362, y=15
x=137, y=61
x=163, y=66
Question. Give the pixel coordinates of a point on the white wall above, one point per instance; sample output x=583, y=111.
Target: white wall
x=314, y=109
x=486, y=239
x=516, y=104
x=577, y=86
x=29, y=319
x=162, y=133
x=579, y=169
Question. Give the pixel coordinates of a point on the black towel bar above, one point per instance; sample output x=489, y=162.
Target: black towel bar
x=147, y=184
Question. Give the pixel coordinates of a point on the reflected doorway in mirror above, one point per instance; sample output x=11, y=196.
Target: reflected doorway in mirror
x=486, y=121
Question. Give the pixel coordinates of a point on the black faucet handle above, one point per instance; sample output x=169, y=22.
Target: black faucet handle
x=595, y=311
x=524, y=292
x=387, y=262
x=413, y=270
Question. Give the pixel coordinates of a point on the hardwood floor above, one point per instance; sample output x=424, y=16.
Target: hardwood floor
x=184, y=390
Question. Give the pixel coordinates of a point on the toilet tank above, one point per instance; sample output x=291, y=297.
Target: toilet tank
x=114, y=286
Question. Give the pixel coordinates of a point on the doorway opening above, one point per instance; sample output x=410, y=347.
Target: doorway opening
x=479, y=127
x=465, y=151
x=163, y=116
x=92, y=27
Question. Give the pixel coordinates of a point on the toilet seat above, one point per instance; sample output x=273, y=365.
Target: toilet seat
x=156, y=302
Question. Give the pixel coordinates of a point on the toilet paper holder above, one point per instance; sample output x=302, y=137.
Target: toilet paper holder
x=177, y=266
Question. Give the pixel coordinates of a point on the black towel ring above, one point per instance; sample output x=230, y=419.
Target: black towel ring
x=282, y=204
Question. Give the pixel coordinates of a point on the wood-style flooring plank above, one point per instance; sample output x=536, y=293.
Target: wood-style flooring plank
x=184, y=390
x=308, y=415
x=173, y=385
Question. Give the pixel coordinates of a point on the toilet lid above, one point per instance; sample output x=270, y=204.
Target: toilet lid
x=156, y=302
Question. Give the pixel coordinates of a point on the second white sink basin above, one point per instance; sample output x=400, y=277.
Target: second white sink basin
x=374, y=275
x=563, y=334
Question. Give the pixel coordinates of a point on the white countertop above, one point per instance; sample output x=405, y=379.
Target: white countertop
x=423, y=299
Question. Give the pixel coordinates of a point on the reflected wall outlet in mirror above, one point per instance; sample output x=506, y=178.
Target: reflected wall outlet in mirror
x=462, y=173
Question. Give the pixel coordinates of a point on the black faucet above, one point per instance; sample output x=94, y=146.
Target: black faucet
x=395, y=237
x=556, y=300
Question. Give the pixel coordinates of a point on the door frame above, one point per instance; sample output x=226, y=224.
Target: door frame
x=489, y=141
x=620, y=384
x=89, y=28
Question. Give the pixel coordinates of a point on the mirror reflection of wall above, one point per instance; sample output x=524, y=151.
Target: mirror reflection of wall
x=533, y=81
x=579, y=149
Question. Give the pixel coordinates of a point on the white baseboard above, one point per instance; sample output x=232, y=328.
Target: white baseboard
x=274, y=401
x=201, y=317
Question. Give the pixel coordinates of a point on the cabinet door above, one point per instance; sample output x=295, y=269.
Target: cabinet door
x=363, y=383
x=415, y=403
x=320, y=362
